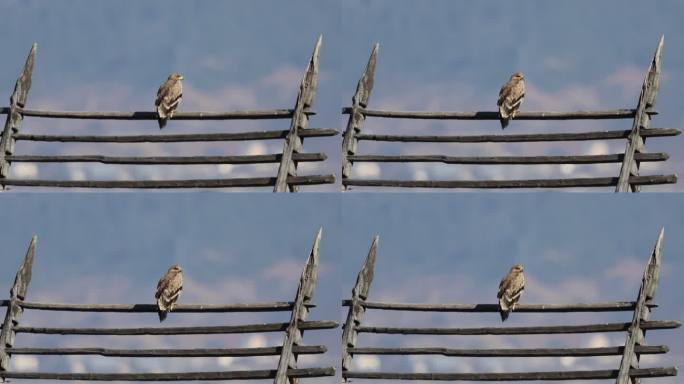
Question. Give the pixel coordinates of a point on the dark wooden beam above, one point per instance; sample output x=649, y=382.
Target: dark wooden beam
x=513, y=376
x=518, y=352
x=164, y=184
x=242, y=159
x=578, y=159
x=200, y=330
x=521, y=137
x=497, y=184
x=152, y=308
x=536, y=330
x=529, y=308
x=152, y=115
x=180, y=138
x=577, y=115
x=197, y=352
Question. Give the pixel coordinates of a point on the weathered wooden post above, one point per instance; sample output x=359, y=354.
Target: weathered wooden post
x=300, y=312
x=642, y=119
x=356, y=118
x=14, y=310
x=14, y=117
x=300, y=119
x=356, y=310
x=642, y=312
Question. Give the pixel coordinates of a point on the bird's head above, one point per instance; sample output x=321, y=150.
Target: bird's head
x=175, y=76
x=517, y=268
x=518, y=76
x=175, y=268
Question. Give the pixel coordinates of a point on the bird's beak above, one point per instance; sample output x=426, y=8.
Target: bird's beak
x=181, y=78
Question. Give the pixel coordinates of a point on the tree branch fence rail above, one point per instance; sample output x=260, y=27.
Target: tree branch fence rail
x=286, y=179
x=628, y=372
x=628, y=179
x=286, y=372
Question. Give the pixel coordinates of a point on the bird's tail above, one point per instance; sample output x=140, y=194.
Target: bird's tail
x=504, y=123
x=162, y=123
x=504, y=314
x=162, y=315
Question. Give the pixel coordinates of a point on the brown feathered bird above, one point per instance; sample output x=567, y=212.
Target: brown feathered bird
x=169, y=97
x=511, y=289
x=511, y=96
x=169, y=289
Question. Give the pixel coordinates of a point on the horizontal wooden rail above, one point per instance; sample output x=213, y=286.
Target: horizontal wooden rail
x=537, y=330
x=244, y=159
x=177, y=138
x=495, y=184
x=514, y=376
x=578, y=115
x=626, y=306
x=528, y=352
x=164, y=184
x=518, y=138
x=171, y=376
x=282, y=306
x=209, y=330
x=150, y=115
x=580, y=159
x=200, y=352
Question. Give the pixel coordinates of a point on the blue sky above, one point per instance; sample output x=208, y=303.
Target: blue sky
x=112, y=248
x=450, y=55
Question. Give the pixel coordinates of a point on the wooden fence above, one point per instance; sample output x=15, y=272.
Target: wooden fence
x=628, y=179
x=629, y=370
x=289, y=350
x=286, y=178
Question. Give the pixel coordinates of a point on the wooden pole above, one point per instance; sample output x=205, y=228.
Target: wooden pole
x=300, y=312
x=14, y=118
x=300, y=120
x=356, y=310
x=642, y=313
x=356, y=118
x=14, y=310
x=642, y=119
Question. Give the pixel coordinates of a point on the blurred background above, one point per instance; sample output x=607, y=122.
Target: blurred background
x=450, y=55
x=105, y=248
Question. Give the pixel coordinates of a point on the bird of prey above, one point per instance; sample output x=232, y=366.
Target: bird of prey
x=510, y=289
x=169, y=97
x=169, y=289
x=511, y=96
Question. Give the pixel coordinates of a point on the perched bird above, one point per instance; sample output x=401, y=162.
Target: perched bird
x=169, y=97
x=510, y=289
x=169, y=289
x=511, y=96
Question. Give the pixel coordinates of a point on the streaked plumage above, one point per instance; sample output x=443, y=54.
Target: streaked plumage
x=169, y=289
x=511, y=96
x=169, y=97
x=511, y=289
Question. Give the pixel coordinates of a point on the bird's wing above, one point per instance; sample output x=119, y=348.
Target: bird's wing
x=503, y=285
x=174, y=287
x=504, y=92
x=173, y=95
x=162, y=92
x=516, y=287
x=161, y=285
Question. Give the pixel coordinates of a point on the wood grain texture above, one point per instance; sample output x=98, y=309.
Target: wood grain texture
x=282, y=306
x=14, y=311
x=293, y=141
x=293, y=333
x=356, y=310
x=635, y=143
x=642, y=313
x=356, y=118
x=14, y=118
x=152, y=115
